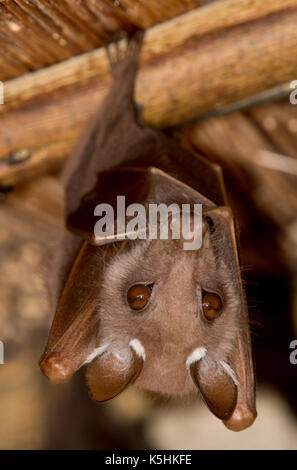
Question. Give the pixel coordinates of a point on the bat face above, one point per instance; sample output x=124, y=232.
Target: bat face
x=172, y=301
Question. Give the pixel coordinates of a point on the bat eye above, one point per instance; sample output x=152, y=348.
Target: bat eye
x=210, y=224
x=139, y=295
x=211, y=305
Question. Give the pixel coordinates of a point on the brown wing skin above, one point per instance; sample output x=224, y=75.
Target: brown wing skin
x=245, y=410
x=142, y=185
x=191, y=168
x=75, y=325
x=115, y=137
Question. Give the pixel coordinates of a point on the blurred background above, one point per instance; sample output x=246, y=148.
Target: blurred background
x=223, y=92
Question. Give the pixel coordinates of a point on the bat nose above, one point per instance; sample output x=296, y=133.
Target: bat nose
x=55, y=369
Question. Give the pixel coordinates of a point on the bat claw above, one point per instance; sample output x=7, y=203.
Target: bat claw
x=123, y=52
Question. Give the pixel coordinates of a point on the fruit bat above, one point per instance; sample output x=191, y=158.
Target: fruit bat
x=146, y=311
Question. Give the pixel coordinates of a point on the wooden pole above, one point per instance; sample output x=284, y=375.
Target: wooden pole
x=194, y=64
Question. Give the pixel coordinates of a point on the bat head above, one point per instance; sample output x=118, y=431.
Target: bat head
x=149, y=312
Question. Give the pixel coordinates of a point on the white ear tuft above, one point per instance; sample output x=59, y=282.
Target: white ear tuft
x=228, y=369
x=138, y=348
x=95, y=353
x=196, y=355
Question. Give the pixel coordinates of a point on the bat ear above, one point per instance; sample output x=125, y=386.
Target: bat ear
x=75, y=325
x=222, y=225
x=216, y=386
x=110, y=373
x=115, y=191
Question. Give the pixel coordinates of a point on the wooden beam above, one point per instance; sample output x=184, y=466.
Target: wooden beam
x=60, y=29
x=224, y=52
x=160, y=40
x=22, y=166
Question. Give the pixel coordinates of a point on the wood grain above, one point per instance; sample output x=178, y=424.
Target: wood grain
x=223, y=53
x=38, y=33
